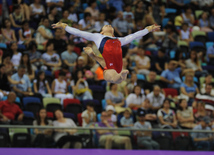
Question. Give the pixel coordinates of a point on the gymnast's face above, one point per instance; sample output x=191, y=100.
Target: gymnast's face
x=107, y=29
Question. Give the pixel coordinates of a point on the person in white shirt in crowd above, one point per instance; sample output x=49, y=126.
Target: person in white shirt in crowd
x=59, y=87
x=72, y=14
x=111, y=116
x=135, y=99
x=16, y=55
x=41, y=85
x=89, y=115
x=156, y=98
x=99, y=24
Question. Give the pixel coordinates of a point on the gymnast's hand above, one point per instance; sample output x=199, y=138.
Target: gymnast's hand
x=153, y=28
x=59, y=25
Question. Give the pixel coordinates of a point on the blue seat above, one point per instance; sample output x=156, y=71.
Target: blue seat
x=3, y=45
x=28, y=114
x=172, y=54
x=140, y=77
x=99, y=117
x=27, y=100
x=81, y=16
x=196, y=44
x=84, y=6
x=209, y=44
x=104, y=104
x=210, y=36
x=186, y=1
x=170, y=10
x=165, y=21
x=69, y=115
x=96, y=103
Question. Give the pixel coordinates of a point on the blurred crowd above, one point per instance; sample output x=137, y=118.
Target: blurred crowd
x=170, y=82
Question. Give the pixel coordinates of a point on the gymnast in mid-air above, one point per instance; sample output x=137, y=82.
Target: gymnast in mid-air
x=110, y=48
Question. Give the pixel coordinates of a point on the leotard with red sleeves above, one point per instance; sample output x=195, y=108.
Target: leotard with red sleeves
x=109, y=47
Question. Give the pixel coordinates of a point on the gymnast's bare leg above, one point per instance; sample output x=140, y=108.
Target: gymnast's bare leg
x=110, y=75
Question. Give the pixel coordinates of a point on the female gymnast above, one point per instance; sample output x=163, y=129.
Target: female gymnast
x=110, y=48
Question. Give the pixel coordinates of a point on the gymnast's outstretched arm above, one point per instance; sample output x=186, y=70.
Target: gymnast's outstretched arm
x=127, y=39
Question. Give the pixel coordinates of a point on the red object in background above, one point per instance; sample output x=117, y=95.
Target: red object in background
x=77, y=50
x=170, y=91
x=70, y=101
x=1, y=53
x=79, y=118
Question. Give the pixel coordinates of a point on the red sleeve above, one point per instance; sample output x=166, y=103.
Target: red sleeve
x=1, y=105
x=19, y=111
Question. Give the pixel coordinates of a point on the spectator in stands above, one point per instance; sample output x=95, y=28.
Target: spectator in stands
x=140, y=10
x=172, y=75
x=144, y=138
x=120, y=25
x=156, y=98
x=129, y=16
x=208, y=90
x=65, y=138
x=127, y=120
x=185, y=115
x=194, y=63
x=25, y=34
x=135, y=99
x=170, y=39
x=43, y=32
x=43, y=136
x=202, y=140
x=185, y=33
x=89, y=115
x=35, y=56
x=6, y=80
x=25, y=10
x=16, y=56
x=69, y=57
x=157, y=9
x=188, y=17
x=37, y=12
x=30, y=70
x=80, y=87
x=50, y=59
x=204, y=5
x=210, y=55
x=87, y=23
x=92, y=9
x=150, y=82
x=132, y=83
x=59, y=87
x=107, y=138
x=115, y=98
x=59, y=4
x=7, y=32
x=99, y=24
x=142, y=62
x=52, y=16
x=24, y=88
x=80, y=65
x=148, y=19
x=59, y=44
x=6, y=7
x=161, y=61
x=188, y=87
x=204, y=23
x=8, y=64
x=111, y=116
x=17, y=17
x=200, y=111
x=72, y=14
x=180, y=57
x=9, y=110
x=65, y=19
x=211, y=19
x=41, y=85
x=150, y=114
x=167, y=116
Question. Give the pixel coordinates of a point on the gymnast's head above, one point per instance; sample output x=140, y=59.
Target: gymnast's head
x=107, y=30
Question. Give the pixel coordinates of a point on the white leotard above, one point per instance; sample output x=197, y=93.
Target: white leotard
x=97, y=37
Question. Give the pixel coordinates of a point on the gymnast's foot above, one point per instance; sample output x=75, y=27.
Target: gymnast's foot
x=124, y=74
x=89, y=51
